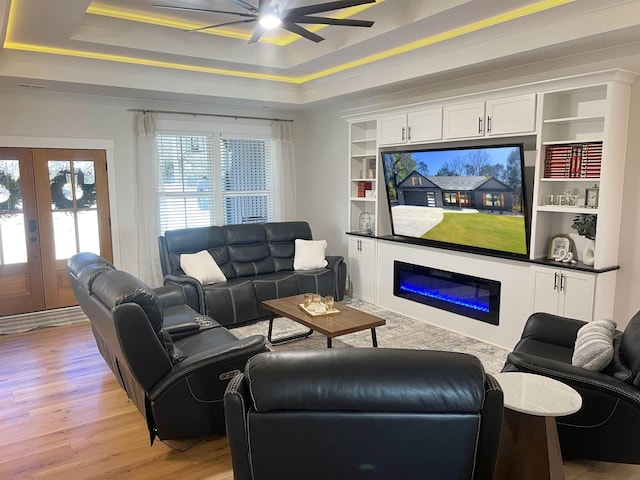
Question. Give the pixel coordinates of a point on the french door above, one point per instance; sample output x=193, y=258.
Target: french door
x=53, y=204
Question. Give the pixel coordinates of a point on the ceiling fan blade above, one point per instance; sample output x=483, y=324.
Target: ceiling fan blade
x=222, y=25
x=347, y=22
x=257, y=33
x=189, y=9
x=298, y=30
x=248, y=6
x=325, y=7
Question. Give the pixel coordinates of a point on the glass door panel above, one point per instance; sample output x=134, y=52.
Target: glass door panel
x=21, y=282
x=13, y=238
x=73, y=208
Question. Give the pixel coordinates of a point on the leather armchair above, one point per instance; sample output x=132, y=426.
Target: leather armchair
x=607, y=426
x=363, y=413
x=176, y=382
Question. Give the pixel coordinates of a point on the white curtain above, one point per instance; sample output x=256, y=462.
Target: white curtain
x=284, y=175
x=147, y=208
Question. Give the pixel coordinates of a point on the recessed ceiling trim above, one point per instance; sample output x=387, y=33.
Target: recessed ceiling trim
x=281, y=39
x=297, y=80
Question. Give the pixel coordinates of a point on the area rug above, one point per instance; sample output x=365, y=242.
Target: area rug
x=399, y=332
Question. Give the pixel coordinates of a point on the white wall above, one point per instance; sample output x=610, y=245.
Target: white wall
x=628, y=278
x=321, y=140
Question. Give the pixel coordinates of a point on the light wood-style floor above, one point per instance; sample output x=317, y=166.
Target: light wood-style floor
x=63, y=416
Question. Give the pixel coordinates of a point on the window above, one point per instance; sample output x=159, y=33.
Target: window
x=450, y=198
x=493, y=199
x=213, y=180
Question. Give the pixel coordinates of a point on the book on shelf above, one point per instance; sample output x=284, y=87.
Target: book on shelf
x=582, y=160
x=363, y=187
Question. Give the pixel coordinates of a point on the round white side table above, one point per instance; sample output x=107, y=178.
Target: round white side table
x=529, y=445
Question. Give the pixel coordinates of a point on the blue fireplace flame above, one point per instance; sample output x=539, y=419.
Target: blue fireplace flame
x=475, y=304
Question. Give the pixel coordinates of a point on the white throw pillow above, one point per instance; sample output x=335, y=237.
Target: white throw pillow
x=202, y=267
x=309, y=254
x=594, y=345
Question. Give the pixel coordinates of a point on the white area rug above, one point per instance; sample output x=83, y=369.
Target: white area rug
x=399, y=332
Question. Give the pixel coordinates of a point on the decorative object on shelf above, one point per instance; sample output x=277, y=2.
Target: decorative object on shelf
x=559, y=247
x=592, y=195
x=365, y=223
x=586, y=225
x=570, y=200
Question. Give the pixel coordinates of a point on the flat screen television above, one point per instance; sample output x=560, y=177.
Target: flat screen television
x=462, y=198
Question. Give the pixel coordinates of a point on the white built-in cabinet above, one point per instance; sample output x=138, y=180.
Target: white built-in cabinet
x=590, y=109
x=420, y=126
x=362, y=268
x=592, y=116
x=563, y=292
x=513, y=115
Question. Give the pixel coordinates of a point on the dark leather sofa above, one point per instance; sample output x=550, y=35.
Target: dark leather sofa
x=257, y=260
x=172, y=362
x=363, y=413
x=607, y=427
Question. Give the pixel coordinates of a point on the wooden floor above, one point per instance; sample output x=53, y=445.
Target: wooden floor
x=63, y=416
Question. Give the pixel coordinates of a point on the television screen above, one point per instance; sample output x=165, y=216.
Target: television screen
x=463, y=198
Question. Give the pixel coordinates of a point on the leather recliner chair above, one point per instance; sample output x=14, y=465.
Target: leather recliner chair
x=177, y=382
x=607, y=426
x=363, y=413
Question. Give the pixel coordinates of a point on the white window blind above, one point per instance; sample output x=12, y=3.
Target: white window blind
x=192, y=194
x=247, y=187
x=185, y=177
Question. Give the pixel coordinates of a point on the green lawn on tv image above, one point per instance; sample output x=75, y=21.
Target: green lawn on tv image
x=482, y=230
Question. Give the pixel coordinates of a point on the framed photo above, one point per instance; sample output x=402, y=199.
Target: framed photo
x=558, y=246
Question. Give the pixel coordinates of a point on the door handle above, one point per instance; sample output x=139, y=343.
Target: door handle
x=561, y=281
x=403, y=130
x=555, y=280
x=488, y=124
x=479, y=124
x=408, y=134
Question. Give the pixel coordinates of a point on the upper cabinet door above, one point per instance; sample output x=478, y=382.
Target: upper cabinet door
x=392, y=130
x=511, y=115
x=425, y=126
x=465, y=120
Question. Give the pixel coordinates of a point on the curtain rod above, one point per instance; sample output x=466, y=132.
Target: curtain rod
x=144, y=110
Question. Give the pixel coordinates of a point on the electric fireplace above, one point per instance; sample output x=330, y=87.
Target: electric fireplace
x=473, y=297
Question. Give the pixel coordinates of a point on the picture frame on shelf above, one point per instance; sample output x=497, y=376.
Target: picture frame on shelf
x=558, y=245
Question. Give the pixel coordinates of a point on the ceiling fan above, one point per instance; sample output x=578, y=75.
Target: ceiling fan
x=269, y=14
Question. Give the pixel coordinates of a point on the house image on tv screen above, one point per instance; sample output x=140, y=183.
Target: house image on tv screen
x=477, y=192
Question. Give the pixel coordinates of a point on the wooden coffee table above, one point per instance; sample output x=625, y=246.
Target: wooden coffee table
x=349, y=320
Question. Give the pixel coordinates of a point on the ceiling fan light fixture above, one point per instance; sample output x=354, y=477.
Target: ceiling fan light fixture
x=269, y=21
